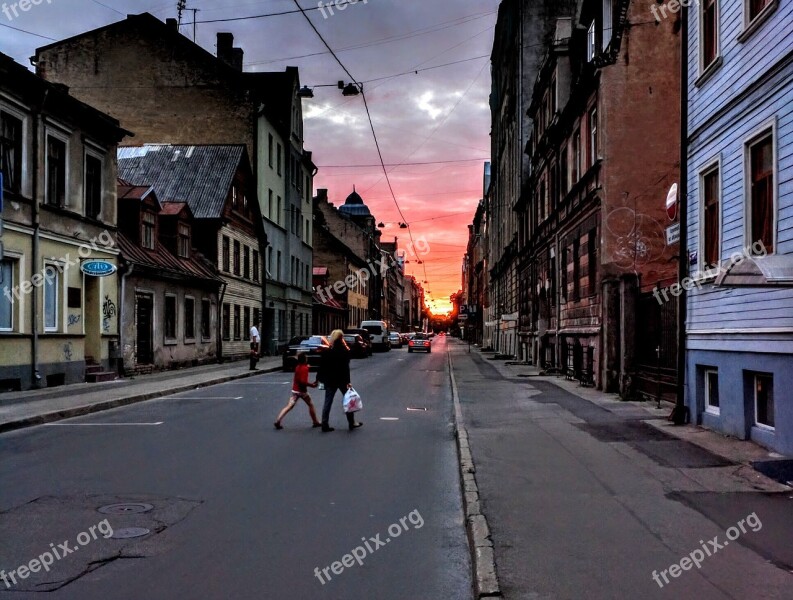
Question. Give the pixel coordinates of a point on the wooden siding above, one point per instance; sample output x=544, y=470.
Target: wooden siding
x=725, y=124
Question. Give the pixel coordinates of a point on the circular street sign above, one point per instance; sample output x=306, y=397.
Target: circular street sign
x=671, y=202
x=98, y=268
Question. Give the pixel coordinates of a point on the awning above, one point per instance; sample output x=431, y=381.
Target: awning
x=775, y=270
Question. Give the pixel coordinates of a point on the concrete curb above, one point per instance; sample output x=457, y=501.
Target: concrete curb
x=482, y=558
x=78, y=411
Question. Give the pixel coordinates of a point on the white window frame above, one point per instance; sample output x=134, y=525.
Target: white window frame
x=88, y=151
x=705, y=169
x=58, y=296
x=754, y=391
x=752, y=25
x=703, y=68
x=14, y=262
x=591, y=41
x=709, y=408
x=58, y=135
x=749, y=142
x=25, y=184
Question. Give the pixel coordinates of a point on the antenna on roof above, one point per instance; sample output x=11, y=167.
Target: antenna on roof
x=181, y=6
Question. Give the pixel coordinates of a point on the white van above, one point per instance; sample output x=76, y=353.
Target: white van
x=378, y=332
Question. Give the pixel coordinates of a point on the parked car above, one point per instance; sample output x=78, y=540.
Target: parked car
x=420, y=343
x=358, y=346
x=395, y=339
x=405, y=338
x=378, y=330
x=367, y=337
x=283, y=347
x=313, y=347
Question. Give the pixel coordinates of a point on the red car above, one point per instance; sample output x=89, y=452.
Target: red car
x=420, y=343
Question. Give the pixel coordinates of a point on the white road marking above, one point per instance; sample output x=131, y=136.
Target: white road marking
x=204, y=398
x=104, y=424
x=389, y=418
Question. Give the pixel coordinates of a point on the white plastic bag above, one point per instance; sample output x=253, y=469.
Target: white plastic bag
x=352, y=401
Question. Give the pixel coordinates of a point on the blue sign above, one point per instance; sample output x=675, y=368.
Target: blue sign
x=98, y=268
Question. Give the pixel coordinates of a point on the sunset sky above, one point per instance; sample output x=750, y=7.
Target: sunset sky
x=433, y=116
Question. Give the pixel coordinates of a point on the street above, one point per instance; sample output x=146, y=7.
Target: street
x=241, y=510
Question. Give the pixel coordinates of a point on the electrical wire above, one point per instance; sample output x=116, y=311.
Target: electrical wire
x=28, y=32
x=371, y=123
x=431, y=162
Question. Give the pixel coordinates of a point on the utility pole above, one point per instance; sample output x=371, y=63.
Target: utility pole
x=194, y=11
x=181, y=6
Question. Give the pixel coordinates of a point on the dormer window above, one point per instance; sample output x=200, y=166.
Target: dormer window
x=147, y=230
x=183, y=241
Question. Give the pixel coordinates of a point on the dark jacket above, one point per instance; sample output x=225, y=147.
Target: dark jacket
x=334, y=368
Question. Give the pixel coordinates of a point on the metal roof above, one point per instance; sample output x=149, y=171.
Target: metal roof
x=199, y=175
x=164, y=263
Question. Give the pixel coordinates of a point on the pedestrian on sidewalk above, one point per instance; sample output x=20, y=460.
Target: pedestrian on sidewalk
x=255, y=340
x=334, y=372
x=300, y=385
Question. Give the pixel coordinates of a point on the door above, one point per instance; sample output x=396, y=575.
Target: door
x=143, y=317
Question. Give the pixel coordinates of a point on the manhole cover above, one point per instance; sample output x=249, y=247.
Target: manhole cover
x=125, y=508
x=129, y=532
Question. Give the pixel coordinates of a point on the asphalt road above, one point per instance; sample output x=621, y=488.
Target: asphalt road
x=237, y=509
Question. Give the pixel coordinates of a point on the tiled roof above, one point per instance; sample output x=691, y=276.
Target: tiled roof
x=173, y=208
x=199, y=175
x=165, y=262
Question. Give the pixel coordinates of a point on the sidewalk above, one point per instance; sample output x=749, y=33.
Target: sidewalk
x=35, y=407
x=571, y=492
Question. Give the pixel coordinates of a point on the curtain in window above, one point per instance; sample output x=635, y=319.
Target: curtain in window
x=763, y=193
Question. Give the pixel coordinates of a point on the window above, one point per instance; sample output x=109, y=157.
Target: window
x=710, y=218
x=257, y=319
x=591, y=253
x=270, y=149
x=170, y=317
x=593, y=136
x=712, y=391
x=256, y=265
x=576, y=156
x=279, y=158
x=590, y=42
x=246, y=312
x=270, y=204
x=226, y=255
x=148, y=222
x=183, y=241
x=246, y=262
x=56, y=171
x=6, y=298
x=11, y=152
x=576, y=269
x=761, y=204
x=756, y=7
x=278, y=266
x=51, y=286
x=237, y=323
x=226, y=321
x=764, y=400
x=189, y=318
x=709, y=32
x=278, y=211
x=563, y=173
x=206, y=319
x=235, y=198
x=608, y=22
x=236, y=257
x=564, y=265
x=93, y=186
x=552, y=99
x=270, y=262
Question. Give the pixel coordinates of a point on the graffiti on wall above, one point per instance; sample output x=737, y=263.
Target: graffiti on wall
x=73, y=320
x=637, y=238
x=108, y=312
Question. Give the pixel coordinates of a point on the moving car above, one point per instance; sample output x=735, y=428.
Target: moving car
x=420, y=343
x=395, y=339
x=358, y=346
x=367, y=337
x=378, y=330
x=313, y=348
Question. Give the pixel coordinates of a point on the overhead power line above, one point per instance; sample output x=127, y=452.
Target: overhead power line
x=431, y=162
x=371, y=123
x=28, y=32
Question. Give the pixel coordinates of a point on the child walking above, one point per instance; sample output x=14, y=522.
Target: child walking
x=300, y=385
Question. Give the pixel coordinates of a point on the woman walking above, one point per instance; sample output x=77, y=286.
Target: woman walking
x=300, y=387
x=334, y=372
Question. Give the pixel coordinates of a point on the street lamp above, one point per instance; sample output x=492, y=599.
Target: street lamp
x=305, y=92
x=350, y=89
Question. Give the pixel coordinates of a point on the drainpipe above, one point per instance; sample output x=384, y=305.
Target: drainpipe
x=219, y=334
x=127, y=272
x=679, y=413
x=34, y=296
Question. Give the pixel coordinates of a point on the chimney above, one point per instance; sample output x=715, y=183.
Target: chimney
x=322, y=195
x=227, y=52
x=172, y=24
